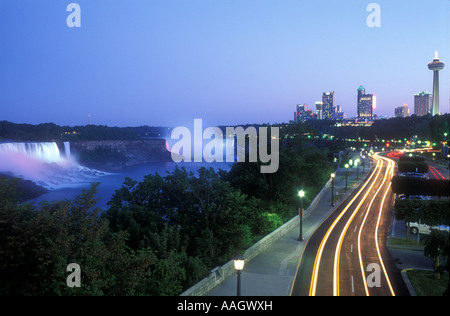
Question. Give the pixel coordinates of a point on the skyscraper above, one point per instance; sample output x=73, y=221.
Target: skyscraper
x=303, y=114
x=422, y=103
x=328, y=105
x=319, y=107
x=366, y=104
x=402, y=111
x=435, y=66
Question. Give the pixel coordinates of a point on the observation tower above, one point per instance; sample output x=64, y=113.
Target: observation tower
x=435, y=66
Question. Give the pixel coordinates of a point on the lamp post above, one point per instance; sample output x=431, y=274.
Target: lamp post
x=362, y=159
x=301, y=194
x=346, y=174
x=239, y=263
x=356, y=165
x=332, y=188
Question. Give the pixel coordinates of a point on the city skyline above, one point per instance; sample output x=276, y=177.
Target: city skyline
x=164, y=63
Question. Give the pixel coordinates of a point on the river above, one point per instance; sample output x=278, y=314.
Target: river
x=109, y=182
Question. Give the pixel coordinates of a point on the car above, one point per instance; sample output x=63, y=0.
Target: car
x=414, y=228
x=412, y=197
x=419, y=197
x=414, y=175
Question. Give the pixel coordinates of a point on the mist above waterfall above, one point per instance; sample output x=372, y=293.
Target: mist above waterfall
x=45, y=164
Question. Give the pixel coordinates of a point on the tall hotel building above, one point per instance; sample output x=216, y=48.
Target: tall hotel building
x=423, y=101
x=328, y=107
x=366, y=104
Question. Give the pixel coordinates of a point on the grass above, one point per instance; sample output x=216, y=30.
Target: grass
x=404, y=242
x=425, y=284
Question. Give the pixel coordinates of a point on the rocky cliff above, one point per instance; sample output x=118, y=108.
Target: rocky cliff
x=117, y=154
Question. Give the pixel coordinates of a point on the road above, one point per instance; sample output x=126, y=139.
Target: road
x=438, y=173
x=346, y=255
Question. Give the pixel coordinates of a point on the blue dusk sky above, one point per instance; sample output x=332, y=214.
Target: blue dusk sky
x=228, y=62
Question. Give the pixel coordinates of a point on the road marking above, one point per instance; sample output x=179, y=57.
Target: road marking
x=353, y=286
x=355, y=228
x=351, y=248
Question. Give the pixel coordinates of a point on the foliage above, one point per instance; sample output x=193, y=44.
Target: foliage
x=430, y=212
x=37, y=244
x=419, y=186
x=206, y=211
x=52, y=132
x=408, y=166
x=436, y=247
x=305, y=167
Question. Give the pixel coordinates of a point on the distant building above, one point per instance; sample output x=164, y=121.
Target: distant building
x=303, y=114
x=319, y=108
x=338, y=115
x=422, y=103
x=402, y=111
x=328, y=107
x=365, y=104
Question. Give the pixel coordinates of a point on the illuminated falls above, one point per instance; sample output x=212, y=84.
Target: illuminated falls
x=44, y=163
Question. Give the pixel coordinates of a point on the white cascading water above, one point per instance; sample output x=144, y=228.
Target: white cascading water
x=43, y=163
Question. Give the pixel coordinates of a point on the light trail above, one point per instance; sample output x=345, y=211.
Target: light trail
x=315, y=274
x=344, y=232
x=373, y=179
x=433, y=169
x=391, y=165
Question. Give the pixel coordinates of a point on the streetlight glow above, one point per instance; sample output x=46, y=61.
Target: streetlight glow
x=301, y=194
x=239, y=263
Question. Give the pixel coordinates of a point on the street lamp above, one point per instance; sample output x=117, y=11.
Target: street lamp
x=332, y=188
x=356, y=165
x=346, y=174
x=239, y=263
x=301, y=194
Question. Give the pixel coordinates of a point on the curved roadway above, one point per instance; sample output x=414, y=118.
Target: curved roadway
x=347, y=255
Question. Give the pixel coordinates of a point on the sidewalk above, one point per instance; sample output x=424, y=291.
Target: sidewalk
x=272, y=272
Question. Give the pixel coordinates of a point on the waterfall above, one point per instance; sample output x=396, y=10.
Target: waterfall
x=43, y=163
x=47, y=152
x=67, y=149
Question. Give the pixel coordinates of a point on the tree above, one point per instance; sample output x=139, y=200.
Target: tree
x=436, y=246
x=38, y=243
x=419, y=186
x=430, y=212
